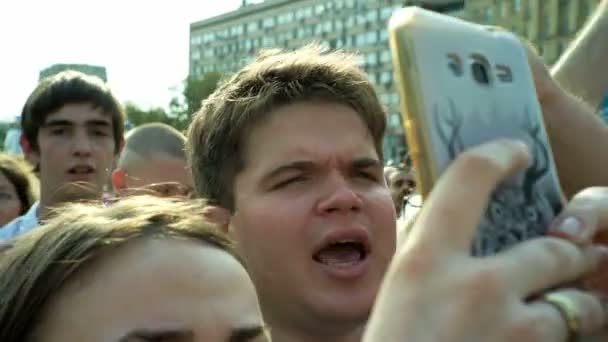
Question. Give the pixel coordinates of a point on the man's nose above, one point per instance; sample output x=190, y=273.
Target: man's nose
x=340, y=196
x=81, y=144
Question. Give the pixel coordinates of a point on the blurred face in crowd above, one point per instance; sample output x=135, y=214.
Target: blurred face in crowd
x=401, y=184
x=10, y=205
x=76, y=144
x=313, y=218
x=163, y=174
x=157, y=290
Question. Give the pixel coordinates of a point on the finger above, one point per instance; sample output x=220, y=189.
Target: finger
x=589, y=308
x=584, y=217
x=454, y=207
x=539, y=264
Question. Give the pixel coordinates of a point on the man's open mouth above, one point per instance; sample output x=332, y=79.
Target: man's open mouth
x=81, y=170
x=342, y=252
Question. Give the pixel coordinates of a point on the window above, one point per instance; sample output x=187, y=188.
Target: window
x=385, y=56
x=385, y=13
x=318, y=29
x=361, y=39
x=252, y=27
x=386, y=77
x=394, y=118
x=372, y=16
x=300, y=13
x=503, y=9
x=394, y=99
x=350, y=22
x=268, y=41
x=269, y=22
x=516, y=5
x=384, y=97
x=371, y=59
x=308, y=12
x=488, y=15
x=338, y=25
x=301, y=32
x=564, y=17
x=319, y=9
x=372, y=37
x=383, y=35
x=360, y=19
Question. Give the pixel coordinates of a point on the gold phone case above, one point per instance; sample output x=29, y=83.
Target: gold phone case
x=463, y=84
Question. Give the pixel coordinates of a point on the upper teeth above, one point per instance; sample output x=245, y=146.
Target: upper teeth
x=80, y=169
x=345, y=241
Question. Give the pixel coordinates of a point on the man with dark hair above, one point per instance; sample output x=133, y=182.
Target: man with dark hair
x=73, y=133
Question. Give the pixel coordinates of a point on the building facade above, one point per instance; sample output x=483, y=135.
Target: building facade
x=227, y=42
x=93, y=70
x=549, y=24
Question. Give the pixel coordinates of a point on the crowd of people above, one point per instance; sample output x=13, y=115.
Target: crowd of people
x=275, y=217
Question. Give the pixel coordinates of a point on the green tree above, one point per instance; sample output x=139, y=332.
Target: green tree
x=195, y=90
x=4, y=126
x=138, y=116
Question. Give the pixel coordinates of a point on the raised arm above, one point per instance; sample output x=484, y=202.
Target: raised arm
x=582, y=68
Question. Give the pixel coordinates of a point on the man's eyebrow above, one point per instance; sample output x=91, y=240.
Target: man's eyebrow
x=364, y=163
x=147, y=335
x=247, y=333
x=57, y=122
x=300, y=165
x=97, y=122
x=62, y=122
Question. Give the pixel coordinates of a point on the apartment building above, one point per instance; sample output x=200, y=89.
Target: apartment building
x=227, y=42
x=549, y=24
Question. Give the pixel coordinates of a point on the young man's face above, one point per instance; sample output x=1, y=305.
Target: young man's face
x=313, y=217
x=76, y=144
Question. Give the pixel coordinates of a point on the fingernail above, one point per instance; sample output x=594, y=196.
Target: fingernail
x=571, y=226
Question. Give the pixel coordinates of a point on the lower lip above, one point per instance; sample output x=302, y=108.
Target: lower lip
x=346, y=272
x=80, y=177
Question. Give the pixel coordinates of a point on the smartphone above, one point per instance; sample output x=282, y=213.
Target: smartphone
x=462, y=84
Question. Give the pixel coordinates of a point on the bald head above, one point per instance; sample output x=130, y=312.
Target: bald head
x=151, y=140
x=153, y=153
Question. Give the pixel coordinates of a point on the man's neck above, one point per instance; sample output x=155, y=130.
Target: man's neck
x=75, y=192
x=293, y=336
x=324, y=331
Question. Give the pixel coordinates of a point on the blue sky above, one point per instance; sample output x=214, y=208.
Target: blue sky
x=143, y=44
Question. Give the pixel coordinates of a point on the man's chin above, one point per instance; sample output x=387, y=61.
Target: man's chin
x=75, y=192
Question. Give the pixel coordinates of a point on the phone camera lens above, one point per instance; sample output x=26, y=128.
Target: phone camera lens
x=480, y=73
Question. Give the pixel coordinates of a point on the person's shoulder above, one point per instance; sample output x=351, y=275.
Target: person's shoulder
x=21, y=224
x=11, y=229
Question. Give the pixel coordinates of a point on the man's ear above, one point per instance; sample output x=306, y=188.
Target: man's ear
x=119, y=180
x=217, y=215
x=118, y=152
x=31, y=155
